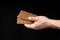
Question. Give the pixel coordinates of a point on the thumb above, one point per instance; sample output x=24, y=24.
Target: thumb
x=33, y=18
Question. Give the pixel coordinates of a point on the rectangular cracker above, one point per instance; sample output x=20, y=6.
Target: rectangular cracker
x=22, y=18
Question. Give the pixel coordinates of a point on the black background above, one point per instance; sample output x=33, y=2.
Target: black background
x=13, y=31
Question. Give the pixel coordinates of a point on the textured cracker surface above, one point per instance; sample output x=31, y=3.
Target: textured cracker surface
x=22, y=18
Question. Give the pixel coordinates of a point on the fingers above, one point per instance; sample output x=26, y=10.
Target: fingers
x=33, y=18
x=30, y=25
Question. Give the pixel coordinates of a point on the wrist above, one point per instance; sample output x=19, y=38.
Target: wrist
x=54, y=23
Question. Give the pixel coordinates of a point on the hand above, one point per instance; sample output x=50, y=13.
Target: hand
x=40, y=22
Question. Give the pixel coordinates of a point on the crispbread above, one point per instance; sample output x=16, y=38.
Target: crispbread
x=22, y=18
x=20, y=21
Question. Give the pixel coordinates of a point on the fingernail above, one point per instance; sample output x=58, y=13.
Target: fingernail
x=29, y=17
x=26, y=24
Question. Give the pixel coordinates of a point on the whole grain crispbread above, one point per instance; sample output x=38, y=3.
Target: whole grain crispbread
x=22, y=18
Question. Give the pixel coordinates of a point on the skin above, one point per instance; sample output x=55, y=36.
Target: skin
x=41, y=22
